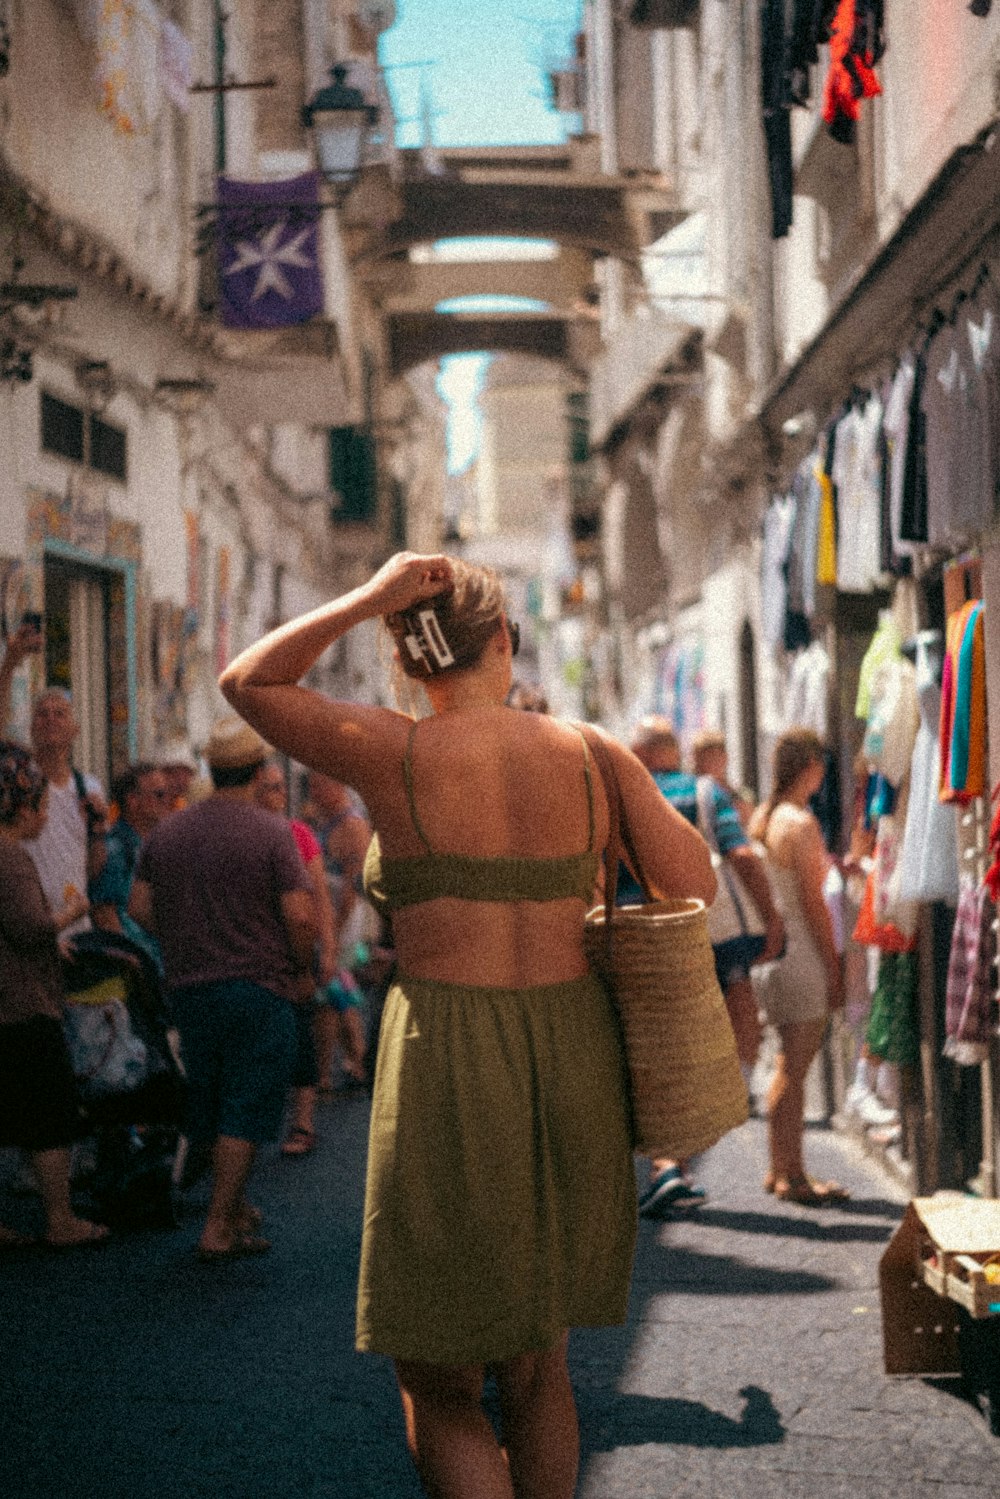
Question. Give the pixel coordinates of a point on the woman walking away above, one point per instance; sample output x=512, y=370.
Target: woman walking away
x=500, y=1205
x=38, y=1102
x=799, y=990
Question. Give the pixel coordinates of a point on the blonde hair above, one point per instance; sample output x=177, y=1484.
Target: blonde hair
x=469, y=614
x=707, y=742
x=655, y=734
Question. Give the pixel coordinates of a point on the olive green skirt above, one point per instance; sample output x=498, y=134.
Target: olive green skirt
x=500, y=1205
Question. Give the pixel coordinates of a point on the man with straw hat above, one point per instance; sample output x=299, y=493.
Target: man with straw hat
x=222, y=885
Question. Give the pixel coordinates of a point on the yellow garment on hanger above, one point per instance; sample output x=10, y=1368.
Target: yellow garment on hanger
x=826, y=550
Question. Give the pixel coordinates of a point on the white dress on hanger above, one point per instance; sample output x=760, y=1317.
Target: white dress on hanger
x=929, y=857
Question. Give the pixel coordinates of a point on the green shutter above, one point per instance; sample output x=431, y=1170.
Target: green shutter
x=352, y=474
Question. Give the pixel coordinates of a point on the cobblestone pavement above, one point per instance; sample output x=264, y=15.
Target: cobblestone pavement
x=750, y=1365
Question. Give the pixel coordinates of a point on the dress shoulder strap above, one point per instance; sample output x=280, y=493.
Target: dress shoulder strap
x=410, y=796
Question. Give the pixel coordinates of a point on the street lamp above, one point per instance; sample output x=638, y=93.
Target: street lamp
x=340, y=119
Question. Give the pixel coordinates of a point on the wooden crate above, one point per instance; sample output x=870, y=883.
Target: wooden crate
x=963, y=1279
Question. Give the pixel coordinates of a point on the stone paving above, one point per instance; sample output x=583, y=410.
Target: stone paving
x=750, y=1365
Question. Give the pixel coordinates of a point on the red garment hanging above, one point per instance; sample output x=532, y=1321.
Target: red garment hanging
x=852, y=75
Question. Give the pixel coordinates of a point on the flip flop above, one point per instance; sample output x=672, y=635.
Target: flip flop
x=241, y=1247
x=300, y=1141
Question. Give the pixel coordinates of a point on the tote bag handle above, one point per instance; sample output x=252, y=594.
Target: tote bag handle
x=619, y=833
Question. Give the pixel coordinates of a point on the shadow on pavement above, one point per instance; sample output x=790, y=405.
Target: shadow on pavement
x=686, y=1271
x=640, y=1420
x=790, y=1225
x=873, y=1207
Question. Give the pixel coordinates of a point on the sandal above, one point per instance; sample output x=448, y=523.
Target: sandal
x=300, y=1141
x=807, y=1193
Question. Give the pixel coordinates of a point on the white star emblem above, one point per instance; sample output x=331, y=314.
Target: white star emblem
x=270, y=254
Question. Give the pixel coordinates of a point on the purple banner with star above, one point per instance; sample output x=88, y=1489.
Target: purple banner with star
x=268, y=245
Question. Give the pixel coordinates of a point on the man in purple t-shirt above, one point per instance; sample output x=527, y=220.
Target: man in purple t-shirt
x=223, y=888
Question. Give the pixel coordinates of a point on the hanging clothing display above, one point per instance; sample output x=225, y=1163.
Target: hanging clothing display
x=869, y=931
x=791, y=33
x=857, y=43
x=807, y=694
x=778, y=521
x=893, y=719
x=893, y=1032
x=896, y=423
x=776, y=100
x=982, y=329
x=889, y=907
x=969, y=1006
x=857, y=477
x=885, y=647
x=810, y=25
x=928, y=863
x=992, y=878
x=960, y=404
x=826, y=546
x=963, y=706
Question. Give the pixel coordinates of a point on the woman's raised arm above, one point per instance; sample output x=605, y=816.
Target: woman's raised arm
x=337, y=738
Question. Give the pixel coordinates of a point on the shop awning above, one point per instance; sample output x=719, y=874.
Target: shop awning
x=944, y=233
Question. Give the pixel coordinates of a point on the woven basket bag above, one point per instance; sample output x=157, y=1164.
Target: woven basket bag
x=684, y=1072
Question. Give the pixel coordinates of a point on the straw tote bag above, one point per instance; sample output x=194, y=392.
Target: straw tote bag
x=684, y=1072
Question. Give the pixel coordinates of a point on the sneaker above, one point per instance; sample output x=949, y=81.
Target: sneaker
x=671, y=1190
x=862, y=1104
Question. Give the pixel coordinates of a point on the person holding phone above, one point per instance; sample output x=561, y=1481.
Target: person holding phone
x=27, y=640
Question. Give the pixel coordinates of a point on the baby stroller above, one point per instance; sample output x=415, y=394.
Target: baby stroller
x=129, y=1079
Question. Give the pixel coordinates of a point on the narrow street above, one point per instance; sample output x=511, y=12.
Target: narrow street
x=750, y=1364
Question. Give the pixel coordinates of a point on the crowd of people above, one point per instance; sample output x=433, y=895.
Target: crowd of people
x=244, y=914
x=448, y=861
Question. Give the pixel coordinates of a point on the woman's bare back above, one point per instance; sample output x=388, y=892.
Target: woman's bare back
x=493, y=784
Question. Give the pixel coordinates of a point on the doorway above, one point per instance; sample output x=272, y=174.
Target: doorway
x=77, y=611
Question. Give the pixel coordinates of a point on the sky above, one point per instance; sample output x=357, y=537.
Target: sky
x=473, y=72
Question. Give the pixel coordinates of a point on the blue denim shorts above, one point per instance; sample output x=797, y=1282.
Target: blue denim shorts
x=735, y=958
x=239, y=1046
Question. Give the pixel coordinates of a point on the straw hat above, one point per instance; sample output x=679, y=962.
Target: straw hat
x=176, y=752
x=233, y=744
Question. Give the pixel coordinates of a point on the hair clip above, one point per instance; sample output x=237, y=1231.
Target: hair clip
x=426, y=640
x=435, y=639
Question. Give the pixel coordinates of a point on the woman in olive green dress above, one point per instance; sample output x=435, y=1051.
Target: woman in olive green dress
x=500, y=1203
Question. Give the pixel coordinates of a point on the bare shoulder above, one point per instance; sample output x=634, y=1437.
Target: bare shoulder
x=793, y=829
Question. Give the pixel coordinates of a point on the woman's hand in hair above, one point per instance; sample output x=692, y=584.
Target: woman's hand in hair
x=407, y=579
